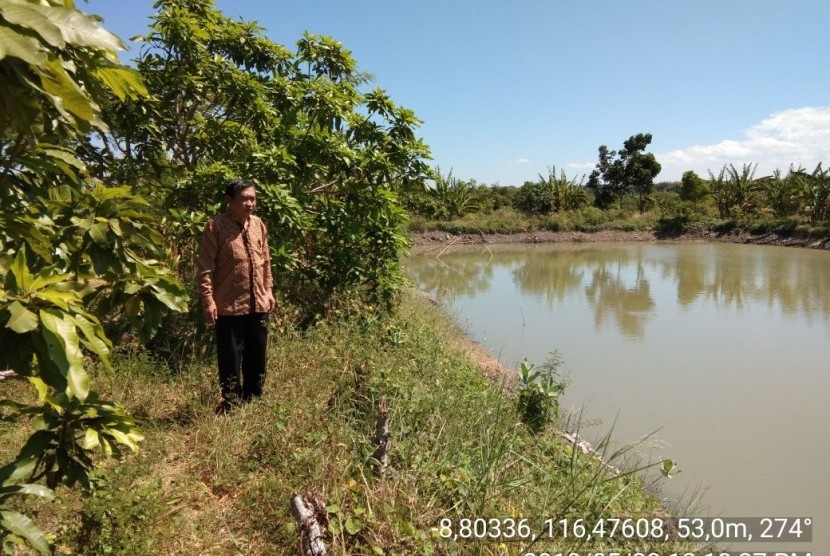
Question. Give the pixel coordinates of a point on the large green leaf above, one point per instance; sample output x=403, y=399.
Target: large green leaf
x=123, y=82
x=95, y=340
x=41, y=387
x=128, y=439
x=24, y=527
x=64, y=349
x=47, y=277
x=61, y=298
x=98, y=233
x=66, y=95
x=20, y=271
x=80, y=29
x=22, y=320
x=31, y=16
x=33, y=490
x=16, y=45
x=27, y=230
x=171, y=295
x=91, y=439
x=56, y=23
x=18, y=470
x=60, y=153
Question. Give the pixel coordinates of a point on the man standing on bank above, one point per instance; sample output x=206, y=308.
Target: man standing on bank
x=235, y=285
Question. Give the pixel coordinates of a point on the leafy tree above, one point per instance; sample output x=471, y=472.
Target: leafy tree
x=815, y=189
x=782, y=194
x=631, y=170
x=534, y=197
x=551, y=194
x=502, y=195
x=72, y=250
x=733, y=190
x=330, y=158
x=693, y=188
x=457, y=197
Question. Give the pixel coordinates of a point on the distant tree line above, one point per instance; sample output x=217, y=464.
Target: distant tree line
x=625, y=178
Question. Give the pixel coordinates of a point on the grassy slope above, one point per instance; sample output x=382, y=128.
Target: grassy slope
x=203, y=484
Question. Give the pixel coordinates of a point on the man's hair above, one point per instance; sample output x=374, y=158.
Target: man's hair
x=236, y=186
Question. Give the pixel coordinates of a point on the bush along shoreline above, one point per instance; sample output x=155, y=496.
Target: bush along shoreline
x=459, y=447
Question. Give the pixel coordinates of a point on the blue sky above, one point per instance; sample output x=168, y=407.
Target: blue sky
x=508, y=88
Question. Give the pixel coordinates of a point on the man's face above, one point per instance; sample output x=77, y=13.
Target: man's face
x=243, y=204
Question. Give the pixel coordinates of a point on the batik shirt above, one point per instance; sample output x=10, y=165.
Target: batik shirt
x=235, y=266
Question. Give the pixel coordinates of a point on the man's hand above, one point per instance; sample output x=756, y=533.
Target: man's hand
x=210, y=314
x=271, y=302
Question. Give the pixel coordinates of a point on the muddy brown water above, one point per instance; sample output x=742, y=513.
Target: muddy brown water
x=723, y=349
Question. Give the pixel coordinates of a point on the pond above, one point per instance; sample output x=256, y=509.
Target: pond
x=722, y=349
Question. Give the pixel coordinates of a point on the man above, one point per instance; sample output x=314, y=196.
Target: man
x=235, y=286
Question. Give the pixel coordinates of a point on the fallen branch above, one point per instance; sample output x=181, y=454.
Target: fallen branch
x=310, y=512
x=381, y=454
x=586, y=448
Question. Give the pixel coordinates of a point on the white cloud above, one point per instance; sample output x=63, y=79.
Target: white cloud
x=580, y=166
x=799, y=136
x=519, y=161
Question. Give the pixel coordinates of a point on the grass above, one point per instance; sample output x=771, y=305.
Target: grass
x=203, y=484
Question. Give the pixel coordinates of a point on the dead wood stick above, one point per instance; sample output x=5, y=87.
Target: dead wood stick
x=381, y=454
x=311, y=537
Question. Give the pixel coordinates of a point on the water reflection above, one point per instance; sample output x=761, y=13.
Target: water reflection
x=616, y=281
x=460, y=276
x=629, y=304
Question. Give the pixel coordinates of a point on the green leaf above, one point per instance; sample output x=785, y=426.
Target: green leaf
x=60, y=153
x=80, y=29
x=95, y=341
x=64, y=349
x=28, y=231
x=668, y=468
x=18, y=470
x=22, y=320
x=16, y=45
x=40, y=386
x=91, y=439
x=73, y=27
x=47, y=277
x=61, y=298
x=20, y=270
x=98, y=233
x=172, y=300
x=104, y=193
x=123, y=82
x=33, y=490
x=66, y=95
x=31, y=17
x=353, y=525
x=123, y=438
x=24, y=527
x=115, y=226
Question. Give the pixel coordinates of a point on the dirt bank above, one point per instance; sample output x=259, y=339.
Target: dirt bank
x=445, y=238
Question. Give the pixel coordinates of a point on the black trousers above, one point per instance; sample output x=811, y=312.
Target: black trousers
x=240, y=348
